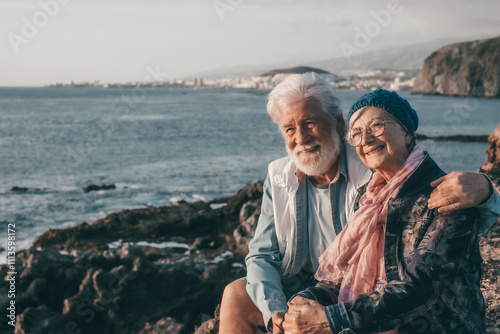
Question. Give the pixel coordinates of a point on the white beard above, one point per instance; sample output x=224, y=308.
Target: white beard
x=320, y=161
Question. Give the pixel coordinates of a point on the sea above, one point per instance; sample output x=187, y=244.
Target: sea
x=161, y=146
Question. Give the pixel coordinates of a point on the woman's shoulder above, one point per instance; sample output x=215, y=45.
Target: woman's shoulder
x=419, y=181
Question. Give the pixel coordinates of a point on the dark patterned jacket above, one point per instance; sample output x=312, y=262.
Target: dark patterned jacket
x=433, y=269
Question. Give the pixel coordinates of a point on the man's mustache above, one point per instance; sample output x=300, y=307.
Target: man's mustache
x=307, y=147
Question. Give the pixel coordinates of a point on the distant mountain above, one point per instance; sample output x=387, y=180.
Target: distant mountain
x=294, y=70
x=408, y=57
x=465, y=69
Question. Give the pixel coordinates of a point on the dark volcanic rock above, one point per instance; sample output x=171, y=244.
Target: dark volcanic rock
x=465, y=69
x=490, y=243
x=491, y=167
x=163, y=326
x=116, y=291
x=210, y=326
x=151, y=224
x=183, y=222
x=461, y=138
x=133, y=289
x=94, y=187
x=19, y=189
x=249, y=217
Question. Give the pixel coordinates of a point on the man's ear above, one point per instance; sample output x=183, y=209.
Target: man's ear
x=340, y=124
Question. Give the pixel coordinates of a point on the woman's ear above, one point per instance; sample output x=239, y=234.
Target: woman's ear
x=408, y=139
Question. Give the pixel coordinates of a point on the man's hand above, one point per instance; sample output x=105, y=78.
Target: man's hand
x=278, y=318
x=305, y=316
x=459, y=190
x=299, y=300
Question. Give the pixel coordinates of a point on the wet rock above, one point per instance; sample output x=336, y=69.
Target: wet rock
x=150, y=224
x=491, y=167
x=36, y=320
x=94, y=187
x=116, y=291
x=210, y=326
x=490, y=242
x=249, y=216
x=202, y=243
x=163, y=326
x=19, y=189
x=131, y=288
x=461, y=138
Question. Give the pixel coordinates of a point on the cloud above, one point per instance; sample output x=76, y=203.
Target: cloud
x=15, y=5
x=337, y=20
x=288, y=2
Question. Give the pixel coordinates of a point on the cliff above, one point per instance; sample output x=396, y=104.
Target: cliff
x=464, y=69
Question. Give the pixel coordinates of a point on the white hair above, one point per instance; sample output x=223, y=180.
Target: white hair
x=299, y=87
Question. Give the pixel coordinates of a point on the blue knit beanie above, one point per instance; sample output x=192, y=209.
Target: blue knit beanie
x=392, y=103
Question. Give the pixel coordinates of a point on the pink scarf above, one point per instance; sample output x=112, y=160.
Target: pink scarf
x=355, y=259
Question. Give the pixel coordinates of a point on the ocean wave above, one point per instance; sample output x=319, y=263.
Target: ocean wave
x=165, y=244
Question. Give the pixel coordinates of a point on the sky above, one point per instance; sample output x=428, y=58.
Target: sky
x=47, y=41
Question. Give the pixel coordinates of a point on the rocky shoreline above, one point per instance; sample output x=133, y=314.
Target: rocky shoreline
x=153, y=270
x=163, y=270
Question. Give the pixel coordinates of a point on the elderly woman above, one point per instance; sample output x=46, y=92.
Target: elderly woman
x=398, y=266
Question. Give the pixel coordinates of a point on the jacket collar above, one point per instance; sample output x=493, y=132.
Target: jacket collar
x=424, y=174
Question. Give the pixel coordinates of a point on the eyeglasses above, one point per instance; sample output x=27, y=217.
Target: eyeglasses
x=376, y=128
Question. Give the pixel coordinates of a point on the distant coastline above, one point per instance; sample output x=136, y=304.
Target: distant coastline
x=353, y=80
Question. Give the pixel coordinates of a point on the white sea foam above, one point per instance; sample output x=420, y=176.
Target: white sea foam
x=190, y=199
x=115, y=244
x=165, y=244
x=221, y=257
x=215, y=206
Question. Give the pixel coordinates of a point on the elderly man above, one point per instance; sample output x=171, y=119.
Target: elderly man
x=308, y=198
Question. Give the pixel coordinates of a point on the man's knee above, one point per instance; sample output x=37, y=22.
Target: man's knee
x=235, y=290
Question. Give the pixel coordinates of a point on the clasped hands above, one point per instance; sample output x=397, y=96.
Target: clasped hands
x=303, y=316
